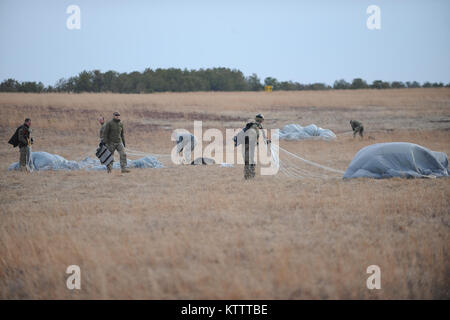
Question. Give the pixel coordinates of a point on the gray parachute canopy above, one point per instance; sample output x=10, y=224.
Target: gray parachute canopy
x=397, y=159
x=46, y=161
x=297, y=132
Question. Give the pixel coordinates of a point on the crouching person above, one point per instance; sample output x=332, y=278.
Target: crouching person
x=114, y=138
x=357, y=128
x=186, y=143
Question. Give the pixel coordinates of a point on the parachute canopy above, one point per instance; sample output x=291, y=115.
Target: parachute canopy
x=397, y=159
x=47, y=161
x=297, y=132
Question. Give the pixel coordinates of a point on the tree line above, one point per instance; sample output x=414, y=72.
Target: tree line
x=177, y=80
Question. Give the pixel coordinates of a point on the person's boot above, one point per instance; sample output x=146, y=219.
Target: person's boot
x=109, y=168
x=125, y=170
x=247, y=174
x=252, y=170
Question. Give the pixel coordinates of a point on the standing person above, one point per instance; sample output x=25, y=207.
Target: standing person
x=249, y=136
x=22, y=138
x=357, y=127
x=101, y=120
x=114, y=138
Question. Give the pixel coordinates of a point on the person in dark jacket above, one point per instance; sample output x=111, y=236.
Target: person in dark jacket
x=114, y=138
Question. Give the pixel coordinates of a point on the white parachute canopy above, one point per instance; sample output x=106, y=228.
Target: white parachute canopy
x=297, y=132
x=47, y=161
x=397, y=159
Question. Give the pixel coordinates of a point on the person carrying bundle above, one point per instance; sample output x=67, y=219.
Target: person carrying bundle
x=22, y=138
x=114, y=139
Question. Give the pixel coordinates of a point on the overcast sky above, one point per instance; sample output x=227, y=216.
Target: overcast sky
x=305, y=41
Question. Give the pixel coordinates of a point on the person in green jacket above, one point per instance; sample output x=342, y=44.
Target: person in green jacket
x=114, y=138
x=252, y=133
x=357, y=127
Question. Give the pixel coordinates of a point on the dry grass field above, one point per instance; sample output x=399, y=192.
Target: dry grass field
x=189, y=232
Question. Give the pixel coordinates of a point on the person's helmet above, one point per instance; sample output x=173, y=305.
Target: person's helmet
x=259, y=118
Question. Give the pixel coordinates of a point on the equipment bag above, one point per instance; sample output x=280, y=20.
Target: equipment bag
x=15, y=138
x=104, y=155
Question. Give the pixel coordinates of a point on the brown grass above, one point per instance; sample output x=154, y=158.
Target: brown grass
x=202, y=232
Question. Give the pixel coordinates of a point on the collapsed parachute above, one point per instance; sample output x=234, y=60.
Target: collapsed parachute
x=397, y=159
x=47, y=161
x=297, y=132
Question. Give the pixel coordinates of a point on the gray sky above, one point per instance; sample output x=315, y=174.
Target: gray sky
x=305, y=41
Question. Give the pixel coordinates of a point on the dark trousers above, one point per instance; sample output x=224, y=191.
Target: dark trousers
x=249, y=168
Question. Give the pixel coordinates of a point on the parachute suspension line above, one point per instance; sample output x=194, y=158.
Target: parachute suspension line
x=140, y=153
x=289, y=168
x=130, y=151
x=301, y=172
x=275, y=158
x=274, y=152
x=311, y=163
x=292, y=169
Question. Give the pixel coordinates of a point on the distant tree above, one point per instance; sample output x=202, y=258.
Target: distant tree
x=108, y=79
x=269, y=81
x=288, y=85
x=319, y=86
x=130, y=82
x=378, y=84
x=254, y=83
x=177, y=80
x=84, y=82
x=60, y=85
x=359, y=83
x=413, y=84
x=397, y=84
x=341, y=84
x=97, y=81
x=9, y=85
x=49, y=89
